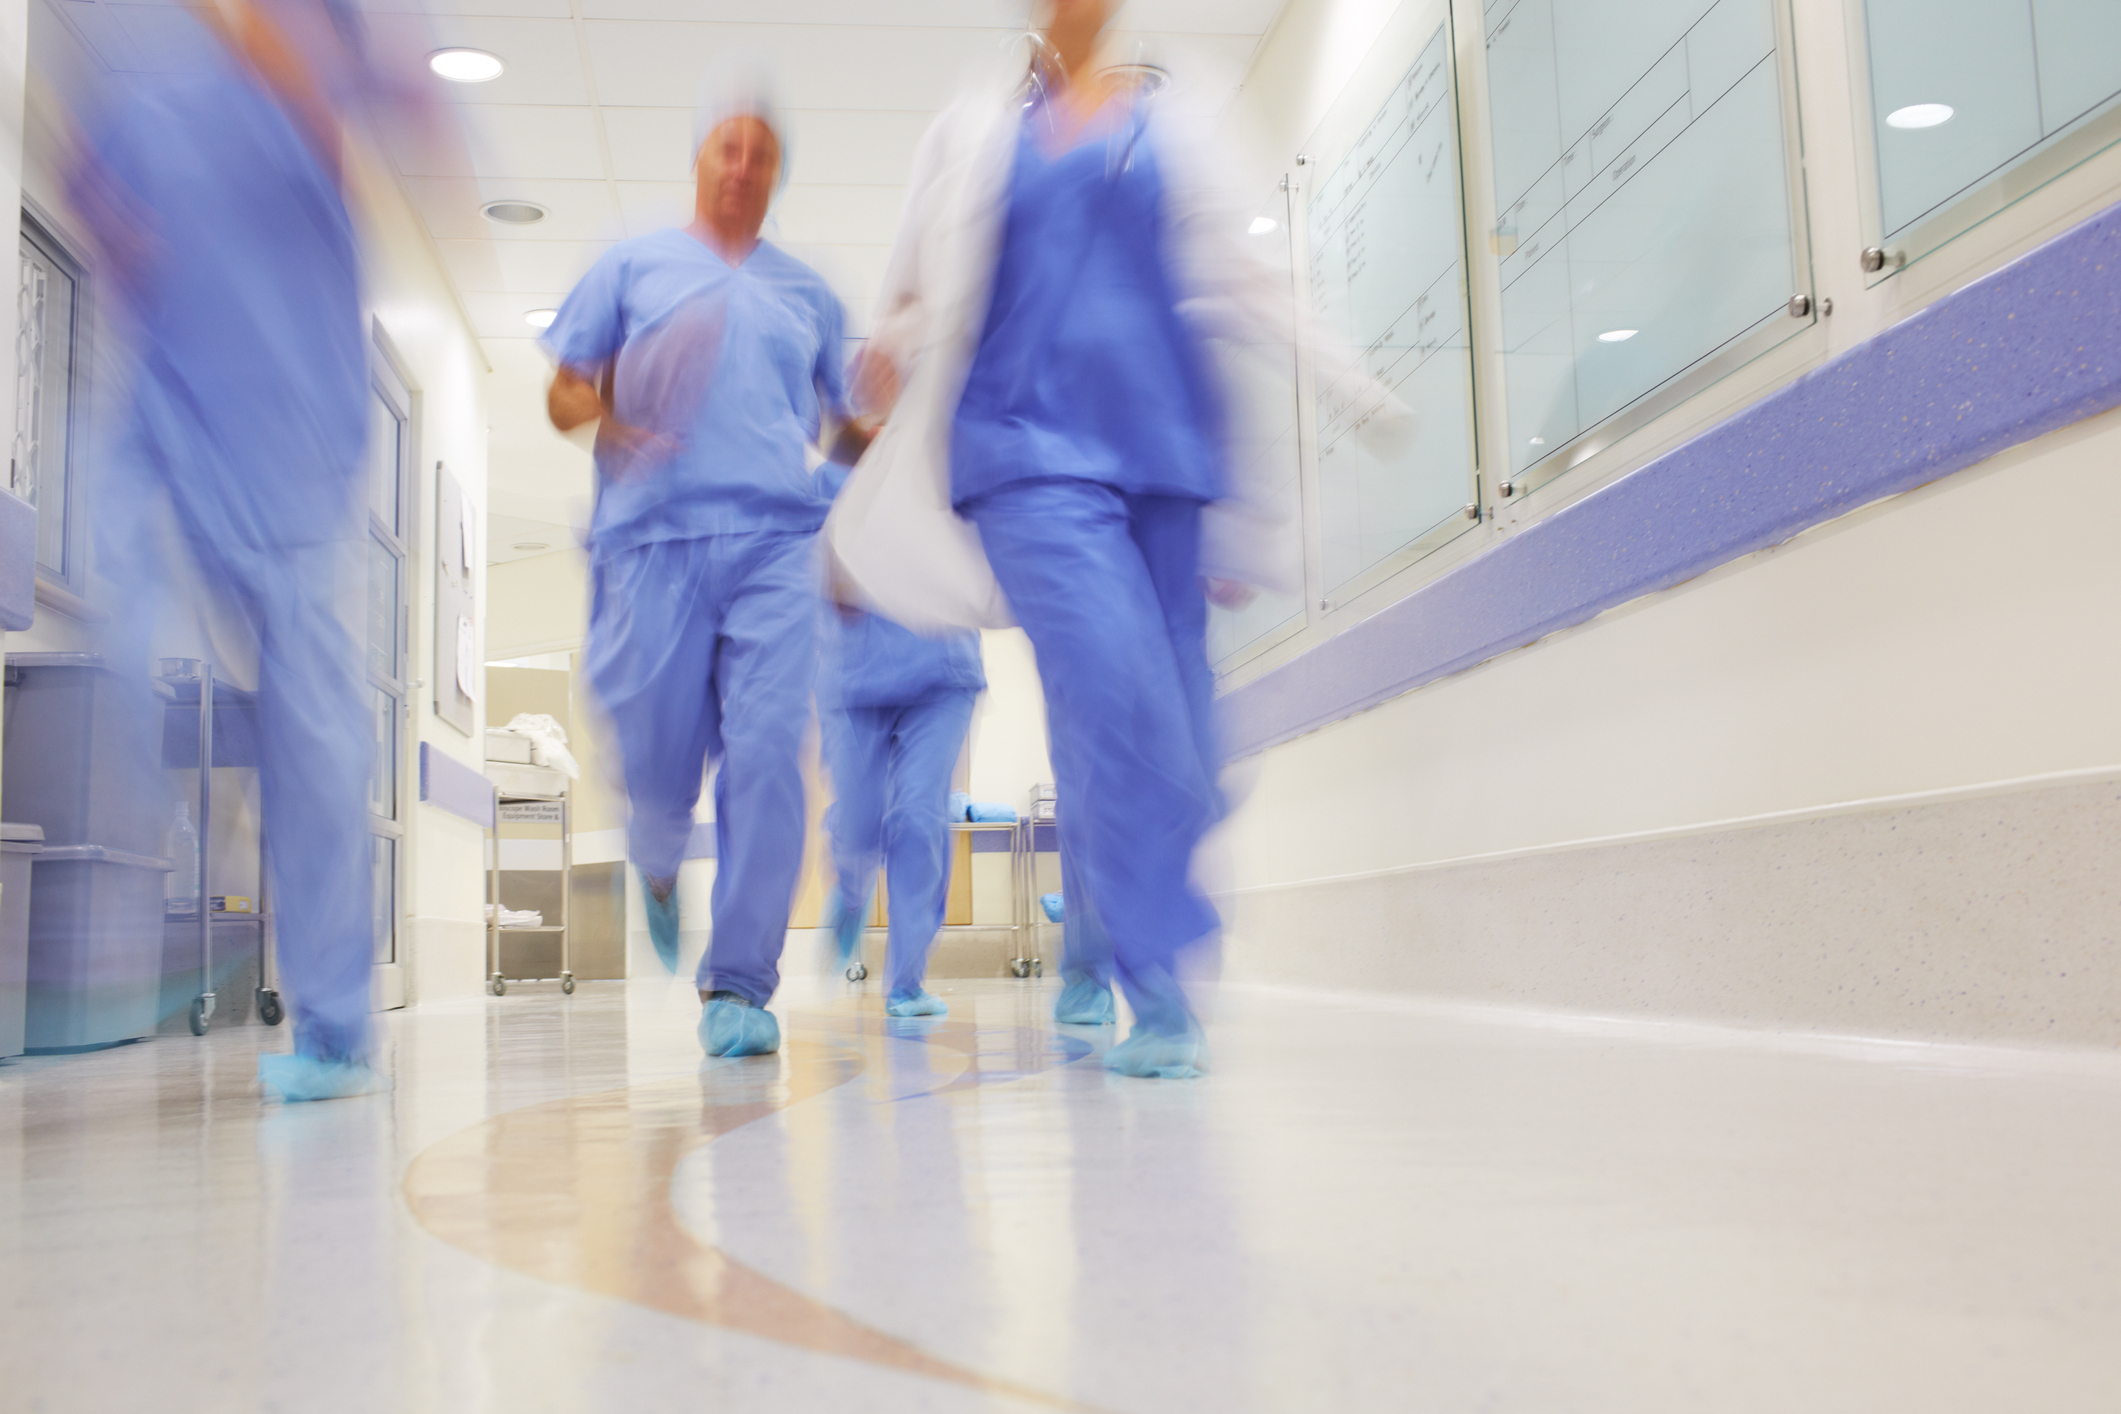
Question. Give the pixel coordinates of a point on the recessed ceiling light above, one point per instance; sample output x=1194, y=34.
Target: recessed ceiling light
x=1617, y=336
x=466, y=65
x=1539, y=441
x=530, y=545
x=1262, y=224
x=514, y=213
x=540, y=318
x=1919, y=115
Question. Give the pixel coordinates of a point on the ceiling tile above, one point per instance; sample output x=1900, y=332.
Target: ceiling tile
x=928, y=14
x=544, y=63
x=649, y=144
x=839, y=215
x=653, y=64
x=500, y=316
x=1253, y=17
x=553, y=9
x=652, y=206
x=581, y=210
x=490, y=265
x=855, y=149
x=511, y=141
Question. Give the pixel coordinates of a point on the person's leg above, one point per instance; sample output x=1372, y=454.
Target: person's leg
x=765, y=666
x=651, y=635
x=1086, y=949
x=1119, y=709
x=924, y=748
x=856, y=745
x=314, y=759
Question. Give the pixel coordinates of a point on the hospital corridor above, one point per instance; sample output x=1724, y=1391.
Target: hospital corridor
x=1128, y=706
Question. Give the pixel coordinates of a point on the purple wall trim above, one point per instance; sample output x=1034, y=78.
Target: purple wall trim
x=2031, y=348
x=453, y=786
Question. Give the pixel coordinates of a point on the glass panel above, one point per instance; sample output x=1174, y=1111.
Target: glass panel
x=44, y=354
x=385, y=896
x=1387, y=273
x=382, y=609
x=1263, y=416
x=385, y=457
x=383, y=773
x=1639, y=170
x=1961, y=89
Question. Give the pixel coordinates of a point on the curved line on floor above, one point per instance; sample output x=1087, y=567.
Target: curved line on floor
x=577, y=1192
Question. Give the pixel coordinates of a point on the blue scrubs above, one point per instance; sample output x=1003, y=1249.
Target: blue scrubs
x=1084, y=448
x=704, y=609
x=249, y=385
x=894, y=708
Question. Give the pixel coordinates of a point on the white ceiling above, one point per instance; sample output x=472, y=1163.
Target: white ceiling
x=593, y=120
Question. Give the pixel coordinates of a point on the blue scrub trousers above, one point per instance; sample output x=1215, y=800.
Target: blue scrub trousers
x=315, y=726
x=891, y=784
x=700, y=650
x=1106, y=583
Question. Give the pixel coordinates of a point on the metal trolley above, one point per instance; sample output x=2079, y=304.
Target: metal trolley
x=189, y=683
x=514, y=809
x=1023, y=964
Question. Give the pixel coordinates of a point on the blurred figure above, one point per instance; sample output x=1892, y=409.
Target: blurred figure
x=893, y=709
x=213, y=189
x=713, y=359
x=1046, y=338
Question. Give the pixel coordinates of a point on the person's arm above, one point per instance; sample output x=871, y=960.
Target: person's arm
x=572, y=401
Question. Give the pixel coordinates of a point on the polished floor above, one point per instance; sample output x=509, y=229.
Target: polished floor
x=1365, y=1207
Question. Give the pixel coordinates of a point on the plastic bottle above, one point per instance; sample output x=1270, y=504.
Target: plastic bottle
x=182, y=891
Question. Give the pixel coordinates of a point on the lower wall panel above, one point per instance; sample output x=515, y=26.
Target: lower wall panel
x=1993, y=918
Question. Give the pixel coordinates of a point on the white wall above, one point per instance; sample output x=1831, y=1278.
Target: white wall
x=1009, y=726
x=1956, y=639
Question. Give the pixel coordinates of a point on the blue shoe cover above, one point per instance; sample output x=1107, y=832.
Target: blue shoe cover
x=921, y=1003
x=731, y=1026
x=662, y=923
x=1152, y=1055
x=1085, y=1002
x=297, y=1078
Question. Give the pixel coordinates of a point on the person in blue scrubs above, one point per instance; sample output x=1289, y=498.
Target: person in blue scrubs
x=1085, y=446
x=713, y=360
x=893, y=709
x=212, y=187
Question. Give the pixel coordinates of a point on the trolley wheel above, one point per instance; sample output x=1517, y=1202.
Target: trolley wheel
x=1020, y=967
x=269, y=1010
x=198, y=1016
x=567, y=983
x=498, y=986
x=1038, y=967
x=857, y=971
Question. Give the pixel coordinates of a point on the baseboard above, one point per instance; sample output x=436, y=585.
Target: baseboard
x=1990, y=915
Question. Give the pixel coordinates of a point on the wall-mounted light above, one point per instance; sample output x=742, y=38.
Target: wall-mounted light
x=1261, y=225
x=466, y=65
x=540, y=318
x=1919, y=115
x=1617, y=336
x=514, y=213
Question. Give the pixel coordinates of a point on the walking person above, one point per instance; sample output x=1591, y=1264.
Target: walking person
x=714, y=360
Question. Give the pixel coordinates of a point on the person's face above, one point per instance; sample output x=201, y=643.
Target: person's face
x=1078, y=17
x=739, y=167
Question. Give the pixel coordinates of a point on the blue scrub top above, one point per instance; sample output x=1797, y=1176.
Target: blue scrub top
x=250, y=384
x=869, y=661
x=737, y=364
x=1085, y=368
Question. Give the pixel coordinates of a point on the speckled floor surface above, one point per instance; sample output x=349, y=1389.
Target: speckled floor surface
x=1366, y=1206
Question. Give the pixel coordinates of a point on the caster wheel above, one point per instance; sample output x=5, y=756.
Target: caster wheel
x=1038, y=967
x=857, y=972
x=567, y=983
x=500, y=988
x=1019, y=967
x=269, y=1009
x=198, y=1016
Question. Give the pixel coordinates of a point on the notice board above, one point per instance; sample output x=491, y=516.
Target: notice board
x=456, y=660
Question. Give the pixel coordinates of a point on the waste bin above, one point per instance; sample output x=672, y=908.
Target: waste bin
x=81, y=752
x=95, y=947
x=19, y=844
